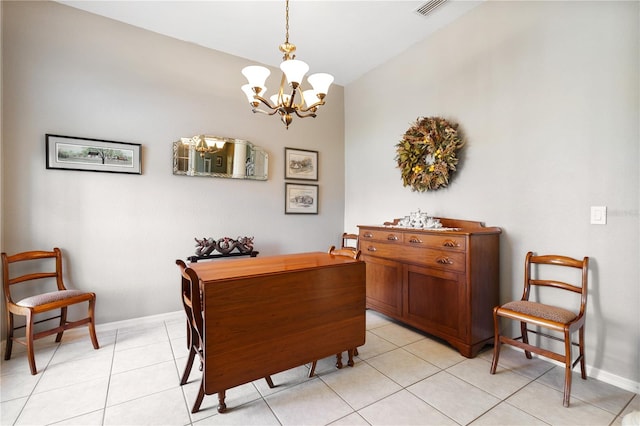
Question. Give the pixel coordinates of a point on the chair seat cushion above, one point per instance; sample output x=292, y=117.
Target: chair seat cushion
x=53, y=296
x=551, y=313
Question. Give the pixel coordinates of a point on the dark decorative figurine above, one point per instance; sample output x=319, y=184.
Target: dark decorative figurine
x=225, y=246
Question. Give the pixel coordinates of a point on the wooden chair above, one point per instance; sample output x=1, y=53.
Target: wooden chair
x=346, y=238
x=192, y=303
x=353, y=254
x=559, y=320
x=35, y=304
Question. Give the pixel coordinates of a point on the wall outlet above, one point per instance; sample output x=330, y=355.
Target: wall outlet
x=598, y=215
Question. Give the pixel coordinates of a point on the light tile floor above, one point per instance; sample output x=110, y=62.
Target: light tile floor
x=401, y=377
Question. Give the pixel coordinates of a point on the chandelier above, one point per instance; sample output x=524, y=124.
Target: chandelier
x=303, y=103
x=205, y=144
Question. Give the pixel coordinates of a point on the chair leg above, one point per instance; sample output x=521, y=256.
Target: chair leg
x=567, y=368
x=189, y=332
x=29, y=338
x=312, y=370
x=9, y=346
x=355, y=352
x=525, y=337
x=350, y=355
x=199, y=398
x=583, y=369
x=496, y=343
x=63, y=321
x=270, y=382
x=496, y=355
x=92, y=324
x=188, y=366
x=222, y=407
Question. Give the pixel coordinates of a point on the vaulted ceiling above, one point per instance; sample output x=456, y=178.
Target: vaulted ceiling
x=343, y=38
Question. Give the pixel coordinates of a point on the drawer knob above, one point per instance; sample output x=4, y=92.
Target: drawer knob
x=444, y=261
x=367, y=235
x=415, y=240
x=371, y=248
x=450, y=243
x=392, y=237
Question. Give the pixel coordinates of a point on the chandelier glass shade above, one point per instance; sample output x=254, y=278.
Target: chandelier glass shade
x=290, y=99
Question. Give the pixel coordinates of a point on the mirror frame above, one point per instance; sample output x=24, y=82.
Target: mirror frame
x=201, y=145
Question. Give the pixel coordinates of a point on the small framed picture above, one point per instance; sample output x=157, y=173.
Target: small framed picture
x=300, y=198
x=300, y=164
x=93, y=155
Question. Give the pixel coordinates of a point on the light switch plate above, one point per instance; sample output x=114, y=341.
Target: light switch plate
x=598, y=215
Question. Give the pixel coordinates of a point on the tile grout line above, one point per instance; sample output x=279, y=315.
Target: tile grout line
x=106, y=396
x=175, y=363
x=37, y=382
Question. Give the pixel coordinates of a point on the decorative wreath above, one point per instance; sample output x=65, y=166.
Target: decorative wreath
x=426, y=155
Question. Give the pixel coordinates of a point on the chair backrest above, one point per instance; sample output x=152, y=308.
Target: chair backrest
x=345, y=251
x=537, y=273
x=33, y=261
x=191, y=298
x=346, y=238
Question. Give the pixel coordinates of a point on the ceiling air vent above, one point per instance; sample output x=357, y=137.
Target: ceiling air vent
x=429, y=7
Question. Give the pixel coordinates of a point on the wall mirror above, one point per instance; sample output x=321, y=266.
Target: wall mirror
x=215, y=156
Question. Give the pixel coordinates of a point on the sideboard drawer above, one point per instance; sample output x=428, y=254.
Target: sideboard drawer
x=441, y=259
x=391, y=235
x=453, y=242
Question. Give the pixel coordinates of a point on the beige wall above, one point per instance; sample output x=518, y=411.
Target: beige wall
x=547, y=94
x=72, y=73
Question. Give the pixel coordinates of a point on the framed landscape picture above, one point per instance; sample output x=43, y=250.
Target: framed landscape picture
x=300, y=198
x=93, y=155
x=300, y=164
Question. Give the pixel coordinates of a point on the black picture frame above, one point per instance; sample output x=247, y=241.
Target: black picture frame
x=300, y=164
x=300, y=198
x=92, y=155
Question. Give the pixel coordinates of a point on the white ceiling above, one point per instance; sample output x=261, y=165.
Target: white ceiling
x=343, y=38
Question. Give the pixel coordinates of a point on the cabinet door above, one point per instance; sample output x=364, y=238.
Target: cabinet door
x=384, y=286
x=434, y=301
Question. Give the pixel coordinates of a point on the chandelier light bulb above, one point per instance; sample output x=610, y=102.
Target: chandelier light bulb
x=320, y=82
x=310, y=97
x=294, y=70
x=248, y=91
x=256, y=75
x=218, y=143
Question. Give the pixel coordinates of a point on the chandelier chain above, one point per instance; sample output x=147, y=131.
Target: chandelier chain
x=286, y=38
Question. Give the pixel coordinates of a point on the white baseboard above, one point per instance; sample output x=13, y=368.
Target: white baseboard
x=596, y=373
x=169, y=316
x=612, y=379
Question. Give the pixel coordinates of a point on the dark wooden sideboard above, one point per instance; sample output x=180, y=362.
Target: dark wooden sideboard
x=443, y=282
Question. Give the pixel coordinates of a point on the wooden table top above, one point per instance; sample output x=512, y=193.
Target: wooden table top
x=221, y=269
